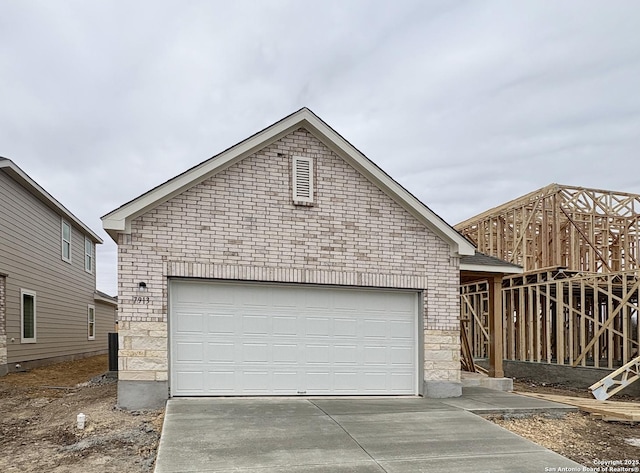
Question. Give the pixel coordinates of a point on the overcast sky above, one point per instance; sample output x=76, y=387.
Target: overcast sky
x=468, y=104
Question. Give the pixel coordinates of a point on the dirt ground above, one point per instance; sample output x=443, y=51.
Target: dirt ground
x=579, y=436
x=38, y=430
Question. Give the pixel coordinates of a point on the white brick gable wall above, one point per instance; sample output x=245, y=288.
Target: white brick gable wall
x=242, y=224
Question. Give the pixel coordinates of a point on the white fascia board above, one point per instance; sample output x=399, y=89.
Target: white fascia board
x=23, y=178
x=460, y=245
x=481, y=268
x=113, y=227
x=113, y=221
x=119, y=220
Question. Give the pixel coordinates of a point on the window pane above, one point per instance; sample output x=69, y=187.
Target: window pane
x=88, y=255
x=66, y=242
x=28, y=312
x=92, y=322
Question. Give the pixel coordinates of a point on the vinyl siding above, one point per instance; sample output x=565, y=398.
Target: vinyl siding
x=30, y=255
x=106, y=317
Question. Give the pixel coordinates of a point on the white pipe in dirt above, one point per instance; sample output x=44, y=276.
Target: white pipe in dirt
x=80, y=420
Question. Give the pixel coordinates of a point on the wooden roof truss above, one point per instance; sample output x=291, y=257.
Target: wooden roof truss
x=578, y=228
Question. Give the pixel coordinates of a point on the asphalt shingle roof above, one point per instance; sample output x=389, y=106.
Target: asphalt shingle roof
x=480, y=259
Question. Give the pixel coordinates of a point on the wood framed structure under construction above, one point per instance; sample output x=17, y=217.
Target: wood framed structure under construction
x=577, y=302
x=562, y=226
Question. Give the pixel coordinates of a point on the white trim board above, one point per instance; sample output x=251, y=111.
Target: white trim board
x=119, y=220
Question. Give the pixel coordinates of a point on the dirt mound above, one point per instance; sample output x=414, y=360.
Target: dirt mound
x=577, y=436
x=38, y=429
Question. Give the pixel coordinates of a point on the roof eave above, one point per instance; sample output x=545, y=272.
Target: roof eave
x=107, y=300
x=460, y=245
x=14, y=171
x=482, y=268
x=119, y=220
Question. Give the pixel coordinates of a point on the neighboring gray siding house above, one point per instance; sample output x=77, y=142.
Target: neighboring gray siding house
x=106, y=313
x=289, y=264
x=49, y=308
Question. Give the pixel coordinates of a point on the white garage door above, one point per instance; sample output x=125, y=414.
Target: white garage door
x=274, y=339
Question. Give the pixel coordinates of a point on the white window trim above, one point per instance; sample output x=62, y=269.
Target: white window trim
x=87, y=255
x=24, y=292
x=63, y=241
x=297, y=197
x=91, y=308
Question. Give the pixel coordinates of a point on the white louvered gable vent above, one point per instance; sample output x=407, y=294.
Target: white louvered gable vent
x=302, y=180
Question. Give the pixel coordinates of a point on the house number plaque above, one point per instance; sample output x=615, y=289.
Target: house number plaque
x=141, y=299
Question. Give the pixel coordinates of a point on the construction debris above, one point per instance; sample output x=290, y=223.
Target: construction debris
x=620, y=378
x=610, y=411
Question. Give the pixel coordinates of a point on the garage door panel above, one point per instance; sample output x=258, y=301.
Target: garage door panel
x=190, y=351
x=285, y=325
x=190, y=322
x=395, y=302
x=256, y=382
x=375, y=355
x=401, y=330
x=221, y=324
x=260, y=297
x=221, y=352
x=401, y=356
x=256, y=325
x=255, y=352
x=345, y=327
x=315, y=354
x=345, y=354
x=374, y=380
x=344, y=301
x=192, y=381
x=346, y=381
x=401, y=380
x=315, y=300
x=318, y=327
x=188, y=295
x=285, y=382
x=287, y=300
x=375, y=328
x=318, y=381
x=221, y=382
x=288, y=340
x=285, y=353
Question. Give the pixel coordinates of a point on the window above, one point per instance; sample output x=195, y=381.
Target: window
x=28, y=316
x=91, y=322
x=66, y=242
x=302, y=180
x=88, y=255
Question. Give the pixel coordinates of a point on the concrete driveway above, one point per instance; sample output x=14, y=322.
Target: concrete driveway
x=345, y=435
